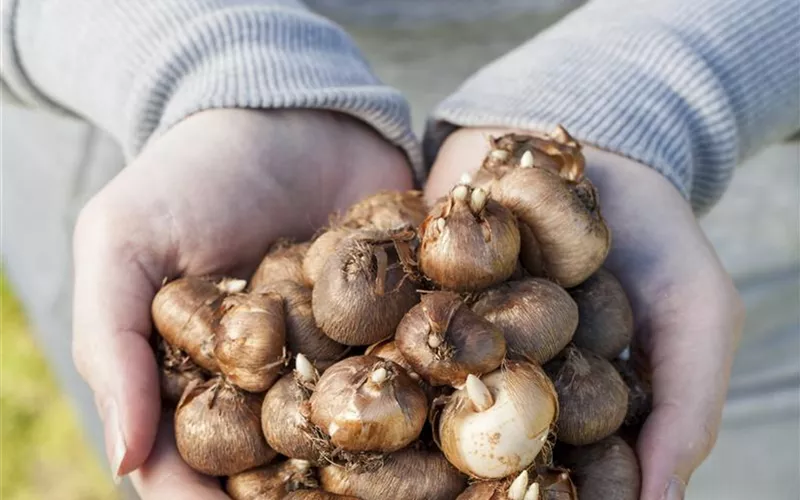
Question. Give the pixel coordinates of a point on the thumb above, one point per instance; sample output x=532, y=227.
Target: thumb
x=114, y=285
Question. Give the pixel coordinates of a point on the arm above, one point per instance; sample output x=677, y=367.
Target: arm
x=685, y=89
x=689, y=88
x=136, y=68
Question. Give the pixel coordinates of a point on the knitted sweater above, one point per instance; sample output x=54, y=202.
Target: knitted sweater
x=688, y=87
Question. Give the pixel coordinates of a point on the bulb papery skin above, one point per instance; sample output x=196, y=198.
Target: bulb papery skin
x=606, y=469
x=506, y=438
x=176, y=370
x=606, y=316
x=320, y=251
x=251, y=339
x=363, y=291
x=387, y=210
x=185, y=312
x=468, y=241
x=271, y=482
x=564, y=219
x=316, y=495
x=592, y=396
x=218, y=430
x=284, y=418
x=444, y=341
x=360, y=415
x=537, y=317
x=284, y=261
x=303, y=336
x=409, y=474
x=553, y=484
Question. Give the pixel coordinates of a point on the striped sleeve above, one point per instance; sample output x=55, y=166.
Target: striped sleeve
x=135, y=68
x=690, y=88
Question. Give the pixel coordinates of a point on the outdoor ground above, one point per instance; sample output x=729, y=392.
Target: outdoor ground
x=43, y=454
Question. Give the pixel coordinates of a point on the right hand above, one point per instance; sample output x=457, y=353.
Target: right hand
x=208, y=197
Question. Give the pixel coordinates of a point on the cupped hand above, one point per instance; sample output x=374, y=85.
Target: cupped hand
x=207, y=197
x=688, y=314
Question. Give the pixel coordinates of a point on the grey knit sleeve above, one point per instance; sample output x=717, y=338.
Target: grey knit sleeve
x=689, y=87
x=136, y=67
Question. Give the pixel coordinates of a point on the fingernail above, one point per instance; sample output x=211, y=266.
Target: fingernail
x=115, y=438
x=676, y=489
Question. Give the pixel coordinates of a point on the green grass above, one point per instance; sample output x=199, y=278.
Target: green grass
x=43, y=454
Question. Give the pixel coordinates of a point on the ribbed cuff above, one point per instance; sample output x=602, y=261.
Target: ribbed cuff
x=266, y=58
x=674, y=89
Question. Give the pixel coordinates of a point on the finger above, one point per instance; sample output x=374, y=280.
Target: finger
x=166, y=475
x=114, y=285
x=691, y=352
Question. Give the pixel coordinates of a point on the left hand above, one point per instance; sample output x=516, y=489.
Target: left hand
x=688, y=313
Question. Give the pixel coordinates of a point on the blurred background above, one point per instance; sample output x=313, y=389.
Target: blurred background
x=51, y=447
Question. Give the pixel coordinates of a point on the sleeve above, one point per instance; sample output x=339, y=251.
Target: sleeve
x=135, y=68
x=689, y=87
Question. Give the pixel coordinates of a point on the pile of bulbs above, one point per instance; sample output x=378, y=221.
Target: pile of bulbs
x=469, y=350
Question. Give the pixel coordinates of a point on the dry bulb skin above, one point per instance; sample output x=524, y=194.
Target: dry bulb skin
x=444, y=341
x=542, y=483
x=537, y=317
x=271, y=482
x=603, y=470
x=321, y=249
x=542, y=182
x=387, y=349
x=218, y=429
x=284, y=261
x=364, y=291
x=285, y=412
x=469, y=241
x=316, y=495
x=593, y=398
x=387, y=210
x=177, y=371
x=365, y=403
x=496, y=426
x=640, y=392
x=410, y=474
x=606, y=317
x=302, y=333
x=250, y=344
x=185, y=312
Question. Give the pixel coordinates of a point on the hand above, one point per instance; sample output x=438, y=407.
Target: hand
x=688, y=314
x=207, y=197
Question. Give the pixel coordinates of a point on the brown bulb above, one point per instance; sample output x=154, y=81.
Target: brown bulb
x=363, y=291
x=271, y=482
x=410, y=474
x=177, y=371
x=285, y=412
x=284, y=261
x=387, y=349
x=322, y=248
x=185, y=312
x=250, y=344
x=572, y=239
x=316, y=495
x=387, y=210
x=537, y=317
x=603, y=470
x=541, y=483
x=218, y=429
x=302, y=333
x=469, y=241
x=444, y=341
x=365, y=403
x=556, y=152
x=606, y=317
x=496, y=425
x=591, y=394
x=640, y=392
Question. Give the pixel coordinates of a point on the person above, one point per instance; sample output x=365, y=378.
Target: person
x=239, y=122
